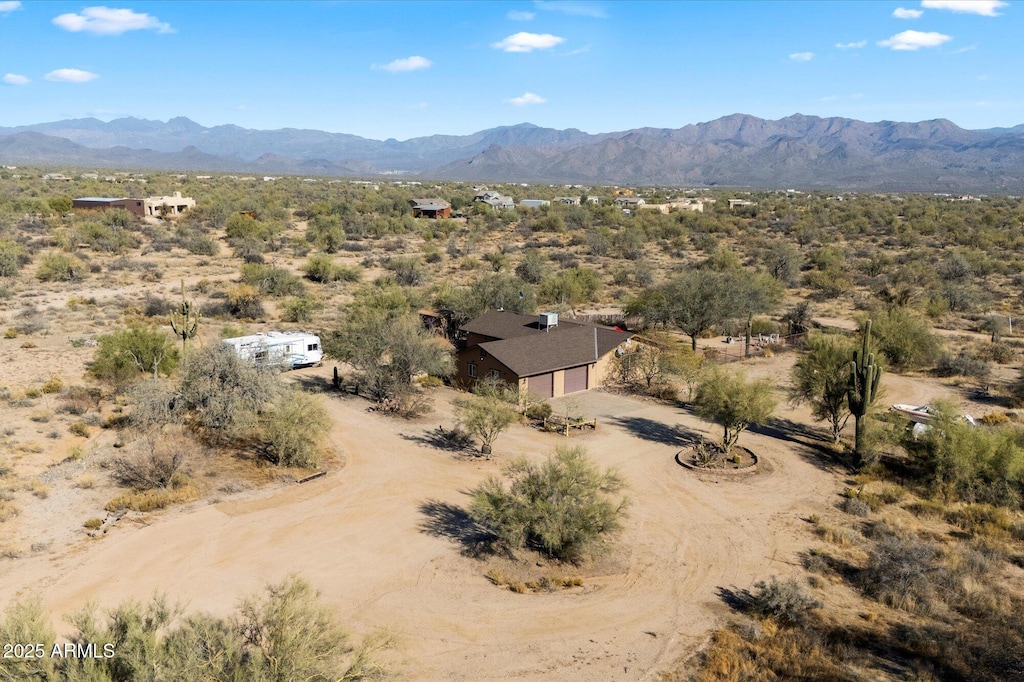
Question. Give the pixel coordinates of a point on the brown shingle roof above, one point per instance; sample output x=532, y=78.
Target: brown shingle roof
x=527, y=349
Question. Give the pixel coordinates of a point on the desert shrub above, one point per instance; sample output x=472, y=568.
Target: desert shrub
x=111, y=239
x=959, y=461
x=244, y=302
x=295, y=429
x=52, y=385
x=964, y=363
x=538, y=411
x=12, y=258
x=93, y=524
x=271, y=280
x=77, y=400
x=154, y=499
x=156, y=306
x=321, y=268
x=907, y=341
x=905, y=573
x=79, y=429
x=523, y=514
x=127, y=354
x=153, y=461
x=199, y=244
x=299, y=309
x=60, y=267
x=785, y=602
x=408, y=270
x=856, y=507
x=224, y=395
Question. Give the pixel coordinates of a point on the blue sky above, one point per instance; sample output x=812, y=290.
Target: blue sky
x=395, y=69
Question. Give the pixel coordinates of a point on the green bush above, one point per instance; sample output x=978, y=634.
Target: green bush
x=299, y=309
x=734, y=403
x=525, y=513
x=271, y=280
x=906, y=340
x=127, y=354
x=295, y=430
x=60, y=267
x=12, y=258
x=786, y=602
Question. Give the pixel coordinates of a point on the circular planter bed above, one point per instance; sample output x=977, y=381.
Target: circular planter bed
x=710, y=458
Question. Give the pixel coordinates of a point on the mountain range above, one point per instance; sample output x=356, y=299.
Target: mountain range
x=740, y=150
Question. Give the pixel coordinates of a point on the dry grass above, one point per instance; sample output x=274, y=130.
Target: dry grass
x=153, y=500
x=39, y=489
x=85, y=482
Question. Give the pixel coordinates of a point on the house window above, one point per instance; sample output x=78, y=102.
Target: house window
x=313, y=346
x=472, y=369
x=261, y=356
x=483, y=354
x=494, y=374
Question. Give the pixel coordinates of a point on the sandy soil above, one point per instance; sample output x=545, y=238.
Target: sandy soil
x=360, y=535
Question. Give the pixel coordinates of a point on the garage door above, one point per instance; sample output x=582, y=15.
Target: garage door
x=576, y=379
x=542, y=385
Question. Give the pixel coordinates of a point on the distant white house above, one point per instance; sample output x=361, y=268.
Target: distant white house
x=568, y=201
x=168, y=206
x=629, y=202
x=740, y=203
x=534, y=203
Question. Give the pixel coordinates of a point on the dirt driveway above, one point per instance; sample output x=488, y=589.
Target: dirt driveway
x=359, y=536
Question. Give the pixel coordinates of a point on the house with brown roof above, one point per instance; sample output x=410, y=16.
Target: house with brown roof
x=431, y=208
x=538, y=353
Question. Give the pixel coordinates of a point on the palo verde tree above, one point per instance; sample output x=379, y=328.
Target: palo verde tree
x=562, y=507
x=733, y=403
x=488, y=412
x=821, y=378
x=125, y=355
x=864, y=379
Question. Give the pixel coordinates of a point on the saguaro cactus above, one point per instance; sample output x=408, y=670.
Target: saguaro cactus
x=865, y=377
x=185, y=319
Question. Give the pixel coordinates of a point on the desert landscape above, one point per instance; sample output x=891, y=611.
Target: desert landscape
x=388, y=537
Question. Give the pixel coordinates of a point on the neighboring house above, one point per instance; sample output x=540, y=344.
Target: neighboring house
x=740, y=203
x=568, y=201
x=534, y=203
x=133, y=206
x=593, y=200
x=431, y=208
x=538, y=353
x=629, y=202
x=167, y=206
x=687, y=205
x=661, y=208
x=495, y=200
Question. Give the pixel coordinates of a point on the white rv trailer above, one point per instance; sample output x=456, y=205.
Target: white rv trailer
x=290, y=349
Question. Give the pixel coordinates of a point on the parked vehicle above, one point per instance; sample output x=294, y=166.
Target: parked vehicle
x=287, y=349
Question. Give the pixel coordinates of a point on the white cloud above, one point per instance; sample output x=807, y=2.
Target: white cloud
x=516, y=15
x=573, y=8
x=802, y=56
x=70, y=76
x=914, y=40
x=110, y=22
x=852, y=46
x=15, y=79
x=904, y=13
x=579, y=50
x=528, y=42
x=414, y=63
x=527, y=98
x=986, y=8
x=8, y=6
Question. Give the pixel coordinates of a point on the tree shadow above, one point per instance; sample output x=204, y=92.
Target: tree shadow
x=809, y=441
x=737, y=600
x=657, y=432
x=454, y=523
x=448, y=440
x=313, y=383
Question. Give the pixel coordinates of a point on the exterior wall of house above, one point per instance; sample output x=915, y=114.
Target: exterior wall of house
x=484, y=365
x=133, y=206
